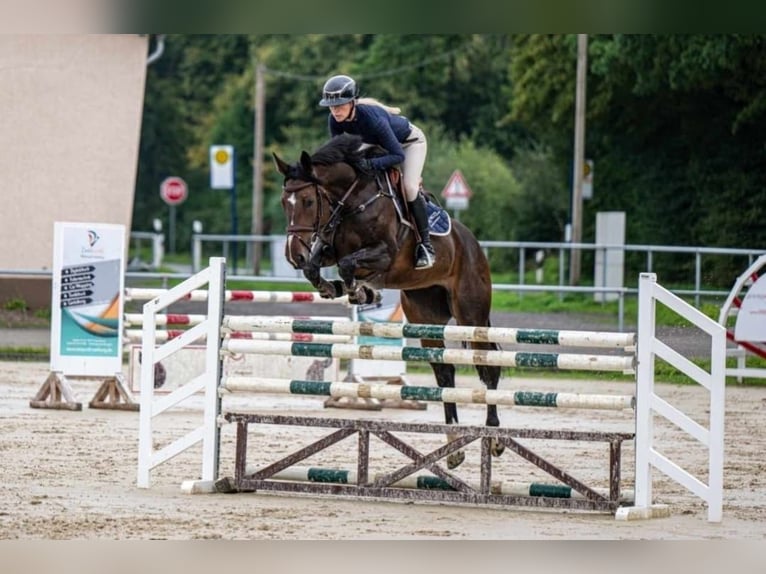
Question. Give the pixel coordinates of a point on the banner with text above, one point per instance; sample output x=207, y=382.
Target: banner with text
x=87, y=298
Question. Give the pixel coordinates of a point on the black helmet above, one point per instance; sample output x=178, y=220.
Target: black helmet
x=337, y=91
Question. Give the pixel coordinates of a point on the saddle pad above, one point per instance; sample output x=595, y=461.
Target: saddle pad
x=439, y=222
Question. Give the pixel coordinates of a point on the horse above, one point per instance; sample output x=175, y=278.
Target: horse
x=338, y=213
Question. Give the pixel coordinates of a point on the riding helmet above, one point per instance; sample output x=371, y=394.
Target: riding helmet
x=338, y=90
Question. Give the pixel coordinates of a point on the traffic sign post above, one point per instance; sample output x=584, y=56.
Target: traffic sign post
x=221, y=166
x=457, y=193
x=222, y=177
x=173, y=191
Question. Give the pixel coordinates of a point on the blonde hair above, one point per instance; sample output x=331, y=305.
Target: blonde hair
x=374, y=102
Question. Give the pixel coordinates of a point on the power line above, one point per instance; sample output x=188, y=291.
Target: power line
x=381, y=74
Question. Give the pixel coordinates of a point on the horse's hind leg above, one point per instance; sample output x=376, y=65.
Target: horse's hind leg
x=474, y=310
x=429, y=306
x=445, y=378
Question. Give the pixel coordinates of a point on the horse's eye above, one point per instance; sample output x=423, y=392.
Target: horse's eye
x=308, y=202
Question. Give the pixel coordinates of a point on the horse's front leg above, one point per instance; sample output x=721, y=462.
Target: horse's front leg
x=327, y=289
x=376, y=259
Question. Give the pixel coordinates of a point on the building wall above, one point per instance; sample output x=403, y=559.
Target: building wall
x=70, y=122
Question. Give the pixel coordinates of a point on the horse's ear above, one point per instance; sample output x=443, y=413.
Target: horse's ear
x=306, y=162
x=282, y=167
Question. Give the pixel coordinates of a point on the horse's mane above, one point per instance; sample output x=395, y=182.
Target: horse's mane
x=341, y=148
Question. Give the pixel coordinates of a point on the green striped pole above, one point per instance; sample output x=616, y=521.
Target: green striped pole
x=429, y=482
x=437, y=332
x=433, y=394
x=583, y=362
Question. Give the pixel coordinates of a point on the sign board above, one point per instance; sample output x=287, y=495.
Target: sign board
x=87, y=299
x=751, y=317
x=221, y=166
x=609, y=268
x=456, y=192
x=173, y=190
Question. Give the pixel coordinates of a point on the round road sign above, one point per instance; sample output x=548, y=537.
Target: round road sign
x=173, y=190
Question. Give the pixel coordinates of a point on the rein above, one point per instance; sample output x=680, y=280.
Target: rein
x=336, y=215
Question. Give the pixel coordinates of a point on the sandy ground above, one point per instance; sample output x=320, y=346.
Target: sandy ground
x=72, y=475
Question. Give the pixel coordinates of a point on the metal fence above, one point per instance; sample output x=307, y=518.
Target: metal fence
x=526, y=254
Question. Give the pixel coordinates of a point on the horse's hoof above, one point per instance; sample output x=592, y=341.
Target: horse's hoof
x=455, y=459
x=357, y=296
x=373, y=296
x=331, y=290
x=338, y=287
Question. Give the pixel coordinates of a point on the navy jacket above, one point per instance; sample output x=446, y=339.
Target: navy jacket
x=377, y=127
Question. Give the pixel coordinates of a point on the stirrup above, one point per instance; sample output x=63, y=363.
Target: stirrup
x=425, y=257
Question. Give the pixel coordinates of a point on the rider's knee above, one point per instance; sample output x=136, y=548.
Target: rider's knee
x=410, y=191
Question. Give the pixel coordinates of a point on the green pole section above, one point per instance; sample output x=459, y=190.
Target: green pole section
x=310, y=388
x=534, y=399
x=538, y=336
x=316, y=327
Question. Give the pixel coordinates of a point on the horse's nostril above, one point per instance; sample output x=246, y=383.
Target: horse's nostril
x=299, y=261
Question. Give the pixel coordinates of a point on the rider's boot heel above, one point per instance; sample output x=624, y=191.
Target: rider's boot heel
x=425, y=256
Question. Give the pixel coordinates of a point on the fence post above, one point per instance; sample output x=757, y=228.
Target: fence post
x=211, y=440
x=644, y=389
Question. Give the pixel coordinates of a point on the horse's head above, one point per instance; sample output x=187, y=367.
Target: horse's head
x=301, y=204
x=311, y=189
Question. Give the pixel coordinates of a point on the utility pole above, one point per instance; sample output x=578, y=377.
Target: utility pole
x=258, y=128
x=579, y=157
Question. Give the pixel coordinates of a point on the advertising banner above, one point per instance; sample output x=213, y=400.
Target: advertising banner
x=751, y=318
x=87, y=299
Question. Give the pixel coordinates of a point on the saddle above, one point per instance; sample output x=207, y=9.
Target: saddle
x=439, y=222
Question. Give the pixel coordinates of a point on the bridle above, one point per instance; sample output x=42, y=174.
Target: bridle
x=294, y=231
x=322, y=235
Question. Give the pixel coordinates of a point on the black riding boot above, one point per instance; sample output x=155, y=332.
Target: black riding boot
x=424, y=252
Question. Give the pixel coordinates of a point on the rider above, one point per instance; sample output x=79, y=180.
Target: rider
x=404, y=143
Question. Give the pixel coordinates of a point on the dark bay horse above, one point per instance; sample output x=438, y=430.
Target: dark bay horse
x=339, y=214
